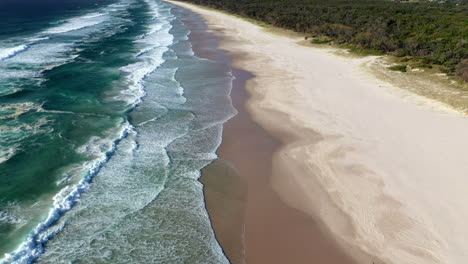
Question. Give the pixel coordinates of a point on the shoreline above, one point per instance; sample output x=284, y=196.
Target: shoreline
x=378, y=167
x=250, y=221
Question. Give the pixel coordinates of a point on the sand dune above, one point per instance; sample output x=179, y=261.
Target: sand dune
x=384, y=170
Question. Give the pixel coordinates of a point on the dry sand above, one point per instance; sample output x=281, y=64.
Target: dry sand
x=383, y=170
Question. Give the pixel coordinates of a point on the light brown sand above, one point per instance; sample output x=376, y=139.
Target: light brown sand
x=274, y=231
x=251, y=222
x=383, y=170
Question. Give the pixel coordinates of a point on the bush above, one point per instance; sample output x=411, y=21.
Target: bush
x=462, y=69
x=321, y=40
x=400, y=68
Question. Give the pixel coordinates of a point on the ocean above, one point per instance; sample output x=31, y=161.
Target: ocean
x=106, y=119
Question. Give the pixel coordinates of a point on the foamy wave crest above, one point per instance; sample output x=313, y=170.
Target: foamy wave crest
x=37, y=39
x=153, y=45
x=6, y=53
x=6, y=154
x=78, y=23
x=33, y=247
x=136, y=73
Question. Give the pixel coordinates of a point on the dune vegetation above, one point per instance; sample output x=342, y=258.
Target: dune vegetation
x=428, y=32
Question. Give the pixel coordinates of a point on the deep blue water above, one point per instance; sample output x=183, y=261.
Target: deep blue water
x=29, y=16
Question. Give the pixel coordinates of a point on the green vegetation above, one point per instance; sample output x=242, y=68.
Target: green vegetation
x=321, y=40
x=429, y=32
x=401, y=68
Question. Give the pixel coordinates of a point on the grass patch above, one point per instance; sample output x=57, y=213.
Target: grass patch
x=400, y=68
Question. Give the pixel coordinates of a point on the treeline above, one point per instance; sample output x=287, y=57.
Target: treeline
x=431, y=32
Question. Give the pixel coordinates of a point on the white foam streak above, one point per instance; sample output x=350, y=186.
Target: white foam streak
x=6, y=154
x=154, y=44
x=78, y=23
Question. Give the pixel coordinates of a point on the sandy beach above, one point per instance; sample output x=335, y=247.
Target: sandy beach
x=250, y=220
x=379, y=173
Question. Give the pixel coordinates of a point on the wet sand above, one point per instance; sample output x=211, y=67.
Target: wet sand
x=251, y=222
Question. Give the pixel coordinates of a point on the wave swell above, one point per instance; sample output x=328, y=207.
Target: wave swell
x=6, y=53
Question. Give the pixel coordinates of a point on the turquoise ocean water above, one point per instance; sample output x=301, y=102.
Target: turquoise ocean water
x=106, y=118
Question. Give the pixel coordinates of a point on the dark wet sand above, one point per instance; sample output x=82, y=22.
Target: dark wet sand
x=244, y=209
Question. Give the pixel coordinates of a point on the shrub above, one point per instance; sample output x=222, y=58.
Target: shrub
x=462, y=70
x=400, y=68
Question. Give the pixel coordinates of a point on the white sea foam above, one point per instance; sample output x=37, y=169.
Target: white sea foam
x=9, y=218
x=166, y=96
x=12, y=127
x=153, y=46
x=43, y=52
x=6, y=53
x=6, y=154
x=78, y=23
x=117, y=6
x=69, y=25
x=44, y=56
x=13, y=131
x=16, y=109
x=15, y=74
x=136, y=73
x=31, y=249
x=37, y=39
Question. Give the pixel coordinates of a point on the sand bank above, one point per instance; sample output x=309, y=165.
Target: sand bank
x=383, y=170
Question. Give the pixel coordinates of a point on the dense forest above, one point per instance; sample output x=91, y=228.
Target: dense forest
x=429, y=32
